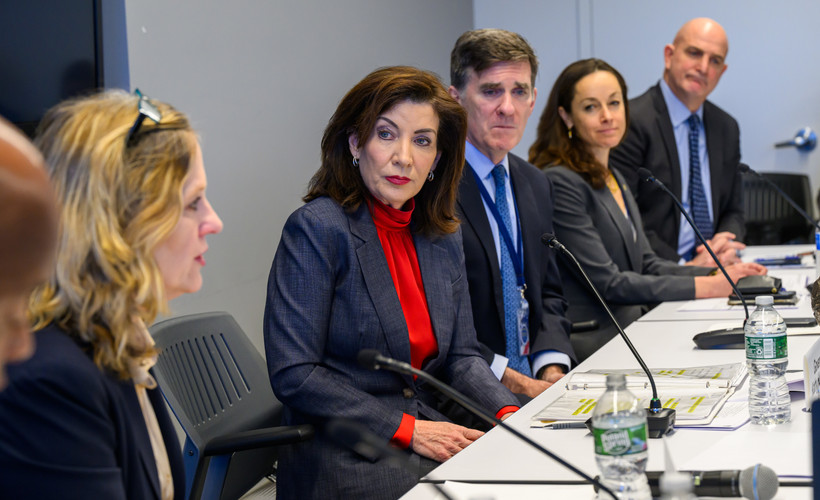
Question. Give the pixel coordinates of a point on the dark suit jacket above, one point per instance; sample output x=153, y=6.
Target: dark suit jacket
x=620, y=263
x=330, y=295
x=549, y=327
x=71, y=431
x=650, y=143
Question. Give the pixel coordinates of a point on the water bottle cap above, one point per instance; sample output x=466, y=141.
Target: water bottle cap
x=764, y=300
x=615, y=380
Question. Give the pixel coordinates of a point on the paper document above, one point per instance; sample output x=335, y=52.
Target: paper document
x=721, y=376
x=696, y=393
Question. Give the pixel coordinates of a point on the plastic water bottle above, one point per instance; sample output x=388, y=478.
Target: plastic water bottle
x=619, y=429
x=767, y=357
x=677, y=486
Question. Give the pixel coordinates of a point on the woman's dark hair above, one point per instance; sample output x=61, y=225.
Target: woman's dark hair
x=552, y=145
x=357, y=114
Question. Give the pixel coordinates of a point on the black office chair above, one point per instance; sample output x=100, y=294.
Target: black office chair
x=217, y=385
x=770, y=220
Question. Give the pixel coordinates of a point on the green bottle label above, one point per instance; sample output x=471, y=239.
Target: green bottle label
x=767, y=347
x=623, y=441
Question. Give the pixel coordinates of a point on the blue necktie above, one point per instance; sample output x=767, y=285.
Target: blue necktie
x=698, y=206
x=512, y=297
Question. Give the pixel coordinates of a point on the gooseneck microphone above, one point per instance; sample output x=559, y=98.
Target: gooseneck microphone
x=374, y=360
x=745, y=169
x=356, y=437
x=660, y=420
x=757, y=482
x=704, y=338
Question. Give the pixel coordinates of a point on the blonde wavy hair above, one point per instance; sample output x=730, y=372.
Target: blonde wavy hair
x=117, y=204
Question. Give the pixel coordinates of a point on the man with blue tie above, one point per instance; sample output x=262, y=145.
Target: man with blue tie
x=505, y=205
x=690, y=145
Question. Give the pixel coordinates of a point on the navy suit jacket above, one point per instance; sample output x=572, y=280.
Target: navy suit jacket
x=330, y=295
x=650, y=143
x=549, y=327
x=70, y=431
x=619, y=262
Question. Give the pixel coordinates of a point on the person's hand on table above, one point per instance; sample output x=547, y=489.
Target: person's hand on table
x=439, y=441
x=724, y=246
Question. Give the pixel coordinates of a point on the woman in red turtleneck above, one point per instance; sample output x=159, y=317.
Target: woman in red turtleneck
x=374, y=260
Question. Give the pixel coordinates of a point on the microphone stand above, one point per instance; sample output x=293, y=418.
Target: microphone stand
x=646, y=175
x=372, y=359
x=659, y=420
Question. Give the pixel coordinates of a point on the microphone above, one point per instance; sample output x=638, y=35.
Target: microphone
x=714, y=338
x=659, y=420
x=356, y=437
x=745, y=169
x=757, y=482
x=374, y=360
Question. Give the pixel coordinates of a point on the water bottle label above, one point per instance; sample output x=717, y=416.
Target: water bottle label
x=767, y=347
x=623, y=441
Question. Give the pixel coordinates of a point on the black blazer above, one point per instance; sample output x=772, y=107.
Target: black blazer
x=619, y=262
x=549, y=327
x=70, y=431
x=650, y=143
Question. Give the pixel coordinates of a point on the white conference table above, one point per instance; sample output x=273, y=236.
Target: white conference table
x=500, y=456
x=718, y=310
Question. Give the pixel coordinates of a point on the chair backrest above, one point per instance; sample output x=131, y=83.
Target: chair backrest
x=214, y=379
x=216, y=383
x=771, y=220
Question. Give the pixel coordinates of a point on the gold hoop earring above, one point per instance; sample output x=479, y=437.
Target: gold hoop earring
x=431, y=176
x=569, y=133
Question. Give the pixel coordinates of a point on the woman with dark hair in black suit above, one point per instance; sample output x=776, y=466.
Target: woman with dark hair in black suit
x=596, y=216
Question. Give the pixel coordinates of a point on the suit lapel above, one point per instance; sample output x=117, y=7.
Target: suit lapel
x=380, y=285
x=528, y=222
x=169, y=437
x=664, y=125
x=436, y=278
x=623, y=224
x=472, y=209
x=716, y=175
x=142, y=441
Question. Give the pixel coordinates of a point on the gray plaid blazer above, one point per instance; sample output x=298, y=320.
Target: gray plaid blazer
x=330, y=294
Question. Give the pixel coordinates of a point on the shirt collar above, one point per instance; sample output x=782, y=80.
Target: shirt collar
x=678, y=112
x=482, y=165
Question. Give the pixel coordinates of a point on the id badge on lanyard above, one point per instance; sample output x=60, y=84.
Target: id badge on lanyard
x=517, y=257
x=523, y=324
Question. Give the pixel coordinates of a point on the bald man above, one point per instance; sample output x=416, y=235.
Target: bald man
x=27, y=239
x=690, y=145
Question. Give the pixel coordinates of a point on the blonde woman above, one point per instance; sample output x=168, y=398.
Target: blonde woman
x=83, y=418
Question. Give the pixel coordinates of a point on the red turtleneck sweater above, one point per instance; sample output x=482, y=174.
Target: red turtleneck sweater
x=393, y=228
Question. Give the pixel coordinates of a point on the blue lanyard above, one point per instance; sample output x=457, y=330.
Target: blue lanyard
x=516, y=253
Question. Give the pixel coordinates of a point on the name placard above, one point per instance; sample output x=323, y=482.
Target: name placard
x=811, y=374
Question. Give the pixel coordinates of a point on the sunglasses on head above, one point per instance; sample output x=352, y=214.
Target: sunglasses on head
x=146, y=109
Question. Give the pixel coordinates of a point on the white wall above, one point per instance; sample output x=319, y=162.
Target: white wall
x=260, y=79
x=770, y=86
